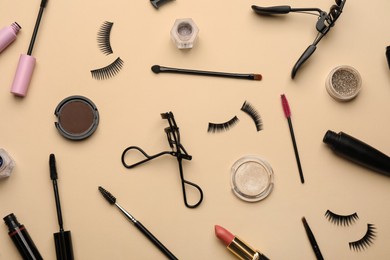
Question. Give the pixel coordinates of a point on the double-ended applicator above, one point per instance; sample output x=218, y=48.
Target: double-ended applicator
x=27, y=62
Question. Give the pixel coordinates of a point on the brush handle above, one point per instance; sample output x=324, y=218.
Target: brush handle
x=295, y=149
x=154, y=240
x=207, y=73
x=147, y=233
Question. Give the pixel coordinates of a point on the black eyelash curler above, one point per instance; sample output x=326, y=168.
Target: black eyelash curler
x=178, y=151
x=324, y=23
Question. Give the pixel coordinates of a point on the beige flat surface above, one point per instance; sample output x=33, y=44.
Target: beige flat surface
x=231, y=38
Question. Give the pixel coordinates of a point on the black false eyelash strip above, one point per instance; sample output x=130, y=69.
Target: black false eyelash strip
x=103, y=37
x=108, y=71
x=343, y=220
x=221, y=127
x=254, y=114
x=365, y=241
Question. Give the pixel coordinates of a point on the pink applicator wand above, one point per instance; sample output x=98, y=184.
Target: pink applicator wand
x=237, y=246
x=26, y=63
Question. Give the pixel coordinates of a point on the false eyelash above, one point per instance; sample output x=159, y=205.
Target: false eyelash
x=344, y=220
x=365, y=241
x=103, y=37
x=252, y=112
x=213, y=127
x=108, y=71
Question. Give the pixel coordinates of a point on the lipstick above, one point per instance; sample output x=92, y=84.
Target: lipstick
x=237, y=246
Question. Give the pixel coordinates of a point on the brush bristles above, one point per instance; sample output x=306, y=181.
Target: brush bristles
x=53, y=169
x=107, y=195
x=257, y=77
x=286, y=107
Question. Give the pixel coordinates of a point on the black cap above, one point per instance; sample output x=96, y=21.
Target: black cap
x=63, y=243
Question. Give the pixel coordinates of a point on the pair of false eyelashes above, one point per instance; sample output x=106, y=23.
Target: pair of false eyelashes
x=347, y=220
x=249, y=109
x=104, y=44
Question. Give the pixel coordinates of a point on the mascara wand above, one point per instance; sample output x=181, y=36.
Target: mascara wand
x=159, y=69
x=62, y=239
x=27, y=62
x=287, y=113
x=112, y=200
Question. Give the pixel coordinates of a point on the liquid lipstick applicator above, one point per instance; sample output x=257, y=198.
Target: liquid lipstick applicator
x=287, y=113
x=62, y=239
x=27, y=62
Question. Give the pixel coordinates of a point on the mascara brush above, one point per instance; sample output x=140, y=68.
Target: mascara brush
x=287, y=113
x=62, y=239
x=112, y=200
x=27, y=62
x=160, y=69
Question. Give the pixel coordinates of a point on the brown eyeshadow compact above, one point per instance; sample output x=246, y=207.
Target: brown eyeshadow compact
x=77, y=117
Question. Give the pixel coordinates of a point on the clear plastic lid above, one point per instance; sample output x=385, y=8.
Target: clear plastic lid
x=252, y=178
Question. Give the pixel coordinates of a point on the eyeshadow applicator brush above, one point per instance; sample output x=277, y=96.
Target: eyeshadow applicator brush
x=112, y=200
x=26, y=63
x=62, y=239
x=160, y=69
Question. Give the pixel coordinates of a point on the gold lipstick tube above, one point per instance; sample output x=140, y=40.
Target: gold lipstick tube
x=243, y=251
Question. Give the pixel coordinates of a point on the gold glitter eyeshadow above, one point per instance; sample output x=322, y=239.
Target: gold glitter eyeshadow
x=343, y=83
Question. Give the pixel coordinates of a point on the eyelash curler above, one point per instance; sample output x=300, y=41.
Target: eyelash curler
x=178, y=151
x=324, y=23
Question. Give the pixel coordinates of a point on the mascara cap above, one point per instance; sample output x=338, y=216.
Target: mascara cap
x=23, y=75
x=63, y=243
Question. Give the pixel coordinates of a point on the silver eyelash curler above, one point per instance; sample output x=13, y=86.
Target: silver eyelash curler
x=324, y=23
x=178, y=151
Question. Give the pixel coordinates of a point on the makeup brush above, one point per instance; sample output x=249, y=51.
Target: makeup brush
x=287, y=113
x=62, y=239
x=112, y=200
x=160, y=69
x=26, y=63
x=312, y=240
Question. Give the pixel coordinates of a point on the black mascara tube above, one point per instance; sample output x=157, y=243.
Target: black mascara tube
x=22, y=240
x=358, y=151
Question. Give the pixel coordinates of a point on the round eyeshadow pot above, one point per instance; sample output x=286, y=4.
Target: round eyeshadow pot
x=77, y=117
x=343, y=83
x=252, y=178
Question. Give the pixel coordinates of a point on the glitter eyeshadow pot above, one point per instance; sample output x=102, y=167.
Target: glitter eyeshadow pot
x=252, y=178
x=343, y=83
x=77, y=117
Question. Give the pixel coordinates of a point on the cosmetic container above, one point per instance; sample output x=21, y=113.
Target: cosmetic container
x=184, y=33
x=8, y=35
x=388, y=56
x=343, y=83
x=252, y=178
x=6, y=164
x=358, y=151
x=21, y=238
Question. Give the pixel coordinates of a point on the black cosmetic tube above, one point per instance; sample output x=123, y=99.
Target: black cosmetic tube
x=358, y=151
x=22, y=240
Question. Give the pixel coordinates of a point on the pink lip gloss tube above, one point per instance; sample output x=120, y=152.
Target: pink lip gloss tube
x=8, y=35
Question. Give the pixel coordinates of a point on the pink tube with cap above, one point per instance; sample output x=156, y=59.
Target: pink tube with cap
x=8, y=35
x=23, y=75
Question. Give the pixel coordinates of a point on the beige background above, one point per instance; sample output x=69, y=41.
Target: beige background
x=231, y=38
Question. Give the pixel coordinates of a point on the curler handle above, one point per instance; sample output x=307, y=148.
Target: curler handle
x=308, y=52
x=281, y=9
x=147, y=157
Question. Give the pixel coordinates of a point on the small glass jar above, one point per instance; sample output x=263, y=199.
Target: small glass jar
x=252, y=178
x=6, y=164
x=184, y=33
x=343, y=83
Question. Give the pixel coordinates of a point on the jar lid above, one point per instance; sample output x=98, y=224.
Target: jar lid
x=343, y=83
x=77, y=116
x=252, y=178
